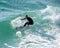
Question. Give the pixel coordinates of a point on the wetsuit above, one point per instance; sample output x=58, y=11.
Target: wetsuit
x=30, y=21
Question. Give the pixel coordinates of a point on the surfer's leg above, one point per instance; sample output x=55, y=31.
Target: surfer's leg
x=26, y=24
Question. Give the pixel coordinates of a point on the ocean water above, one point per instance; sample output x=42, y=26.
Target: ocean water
x=45, y=33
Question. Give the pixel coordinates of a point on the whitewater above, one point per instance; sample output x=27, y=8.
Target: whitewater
x=45, y=33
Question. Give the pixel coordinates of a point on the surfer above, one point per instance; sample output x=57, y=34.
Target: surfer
x=29, y=21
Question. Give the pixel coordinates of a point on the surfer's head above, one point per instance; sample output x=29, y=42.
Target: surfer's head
x=26, y=16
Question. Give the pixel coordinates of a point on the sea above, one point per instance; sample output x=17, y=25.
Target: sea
x=44, y=33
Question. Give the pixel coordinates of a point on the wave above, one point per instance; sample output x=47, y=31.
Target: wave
x=44, y=33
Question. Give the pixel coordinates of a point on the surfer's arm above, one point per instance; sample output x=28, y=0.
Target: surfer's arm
x=23, y=19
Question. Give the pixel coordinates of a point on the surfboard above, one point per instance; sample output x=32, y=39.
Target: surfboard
x=19, y=28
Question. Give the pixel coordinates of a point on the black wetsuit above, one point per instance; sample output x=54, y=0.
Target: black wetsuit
x=30, y=21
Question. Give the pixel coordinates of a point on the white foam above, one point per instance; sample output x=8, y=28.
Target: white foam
x=18, y=33
x=8, y=45
x=17, y=22
x=34, y=41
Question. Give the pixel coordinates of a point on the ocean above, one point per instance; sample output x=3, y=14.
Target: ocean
x=44, y=33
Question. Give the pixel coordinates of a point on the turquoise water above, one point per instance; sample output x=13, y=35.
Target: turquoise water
x=45, y=33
